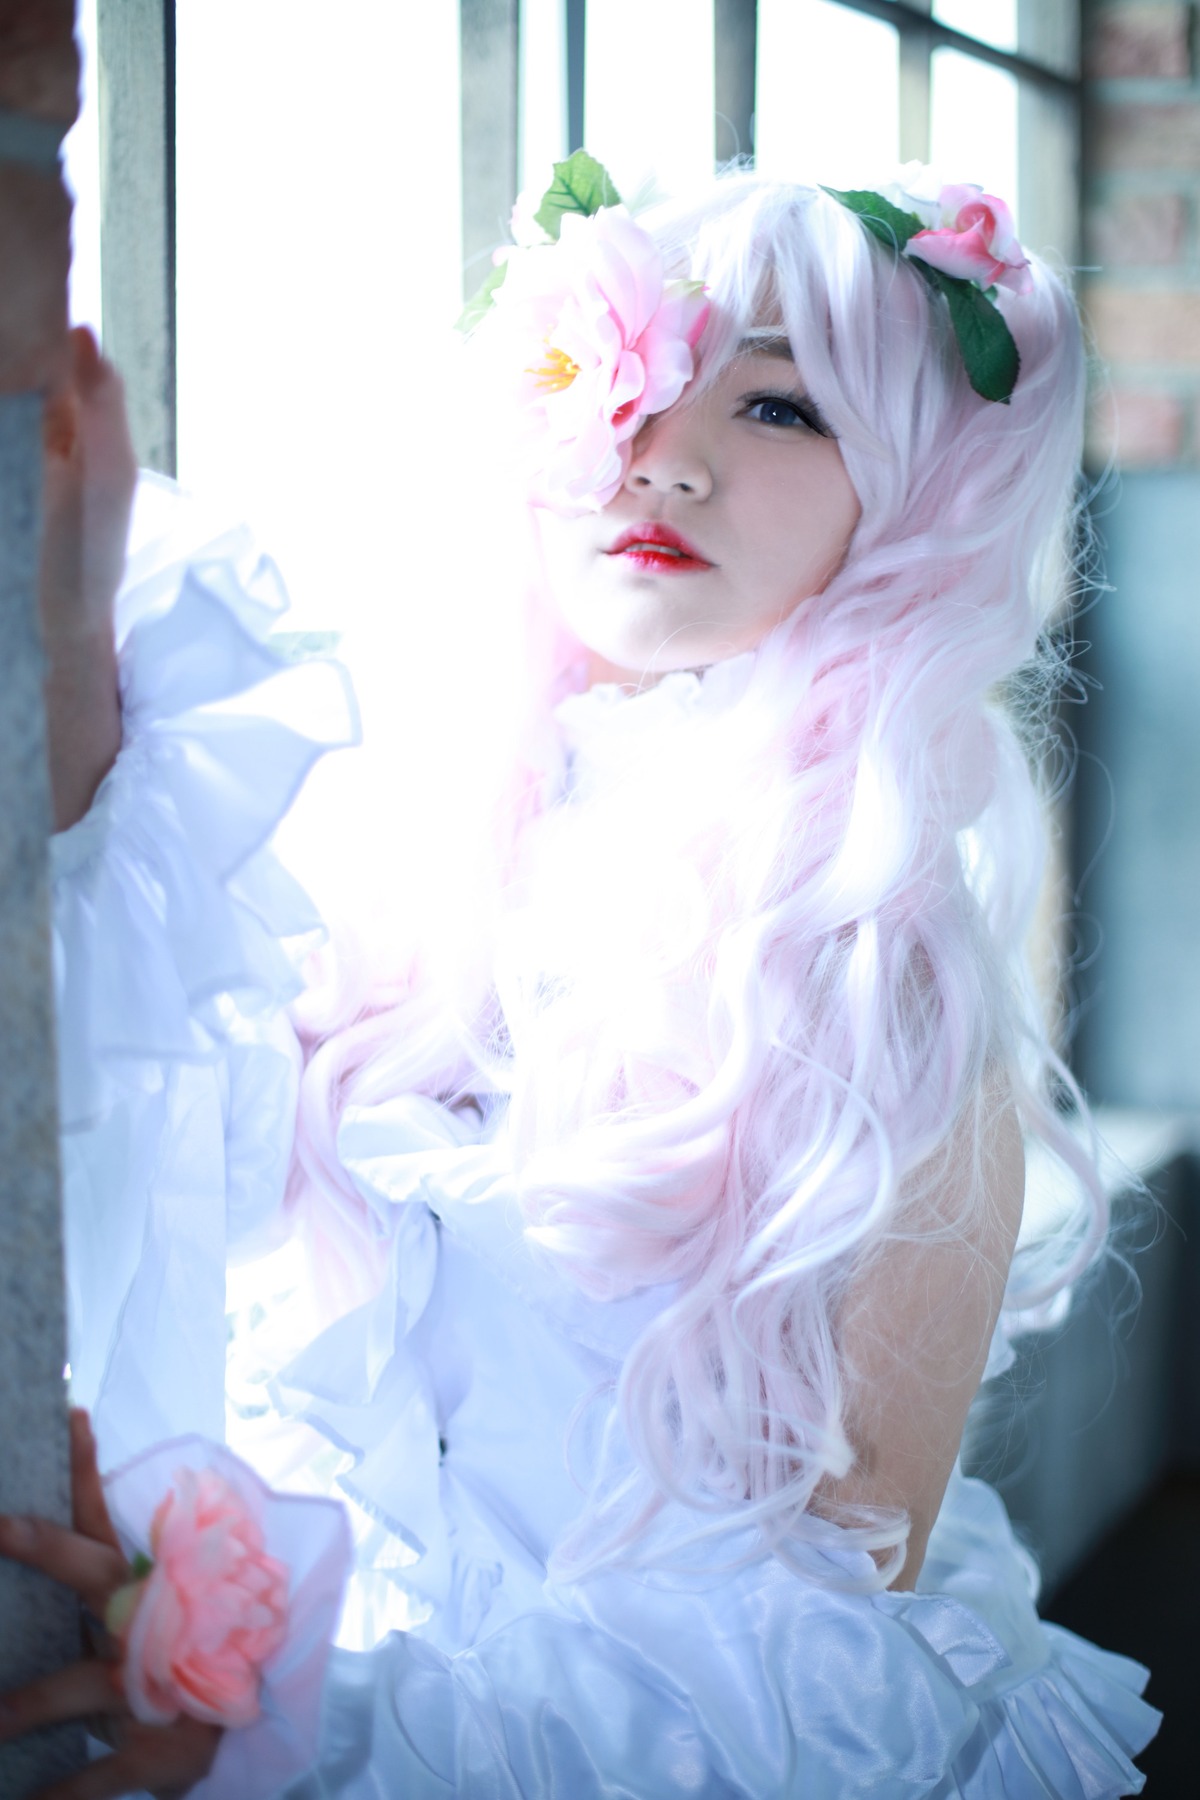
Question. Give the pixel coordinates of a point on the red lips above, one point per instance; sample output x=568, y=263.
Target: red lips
x=652, y=545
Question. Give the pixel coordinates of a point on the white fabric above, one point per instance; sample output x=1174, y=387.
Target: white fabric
x=442, y=1410
x=178, y=1071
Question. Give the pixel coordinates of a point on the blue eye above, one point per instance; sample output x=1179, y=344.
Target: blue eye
x=775, y=412
x=785, y=414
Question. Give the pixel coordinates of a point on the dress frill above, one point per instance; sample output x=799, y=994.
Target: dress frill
x=177, y=937
x=168, y=900
x=759, y=1681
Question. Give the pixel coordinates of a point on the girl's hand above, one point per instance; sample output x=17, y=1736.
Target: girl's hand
x=89, y=476
x=167, y=1759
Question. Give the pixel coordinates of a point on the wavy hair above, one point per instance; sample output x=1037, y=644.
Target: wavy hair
x=743, y=992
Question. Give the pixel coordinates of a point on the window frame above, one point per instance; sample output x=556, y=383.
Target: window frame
x=136, y=58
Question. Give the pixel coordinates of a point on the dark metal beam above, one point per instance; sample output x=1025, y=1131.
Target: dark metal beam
x=913, y=19
x=916, y=90
x=576, y=45
x=735, y=50
x=136, y=57
x=490, y=82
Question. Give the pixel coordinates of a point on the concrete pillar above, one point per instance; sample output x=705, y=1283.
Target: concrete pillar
x=39, y=1624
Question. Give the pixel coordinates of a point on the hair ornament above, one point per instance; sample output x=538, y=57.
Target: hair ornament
x=586, y=334
x=963, y=242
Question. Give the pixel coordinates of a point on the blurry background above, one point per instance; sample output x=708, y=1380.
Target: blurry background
x=280, y=206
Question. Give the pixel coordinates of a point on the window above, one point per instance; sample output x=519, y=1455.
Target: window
x=986, y=90
x=325, y=193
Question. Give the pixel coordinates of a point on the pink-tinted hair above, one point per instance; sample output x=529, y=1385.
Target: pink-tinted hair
x=743, y=995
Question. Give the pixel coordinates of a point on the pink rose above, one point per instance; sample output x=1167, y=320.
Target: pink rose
x=591, y=339
x=976, y=241
x=197, y=1631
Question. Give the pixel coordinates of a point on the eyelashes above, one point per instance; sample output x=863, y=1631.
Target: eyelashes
x=803, y=408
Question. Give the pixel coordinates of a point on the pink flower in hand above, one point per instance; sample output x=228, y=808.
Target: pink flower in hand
x=197, y=1631
x=976, y=241
x=593, y=340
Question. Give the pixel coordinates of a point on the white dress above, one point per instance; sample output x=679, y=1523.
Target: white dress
x=441, y=1408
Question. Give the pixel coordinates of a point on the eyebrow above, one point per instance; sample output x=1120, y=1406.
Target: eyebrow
x=766, y=343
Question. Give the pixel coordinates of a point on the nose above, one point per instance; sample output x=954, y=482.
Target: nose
x=669, y=457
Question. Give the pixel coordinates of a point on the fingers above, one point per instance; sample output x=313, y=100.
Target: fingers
x=92, y=1569
x=86, y=361
x=168, y=1761
x=101, y=1780
x=86, y=378
x=60, y=424
x=71, y=1693
x=88, y=1506
x=60, y=418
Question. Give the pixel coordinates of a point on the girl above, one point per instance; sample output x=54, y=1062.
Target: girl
x=665, y=1212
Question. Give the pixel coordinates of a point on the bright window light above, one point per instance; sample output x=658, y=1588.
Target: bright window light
x=319, y=266
x=543, y=91
x=828, y=94
x=81, y=165
x=648, y=101
x=974, y=124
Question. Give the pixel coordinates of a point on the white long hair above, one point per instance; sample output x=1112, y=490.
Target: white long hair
x=743, y=993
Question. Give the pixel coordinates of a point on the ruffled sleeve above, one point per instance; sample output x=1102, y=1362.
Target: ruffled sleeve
x=168, y=901
x=176, y=935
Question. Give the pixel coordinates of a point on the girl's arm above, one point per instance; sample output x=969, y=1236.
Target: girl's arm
x=89, y=476
x=917, y=1327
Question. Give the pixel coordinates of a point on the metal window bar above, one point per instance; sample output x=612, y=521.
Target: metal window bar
x=914, y=21
x=490, y=76
x=735, y=52
x=576, y=40
x=136, y=54
x=916, y=86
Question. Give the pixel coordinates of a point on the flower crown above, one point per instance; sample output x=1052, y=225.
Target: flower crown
x=963, y=242
x=581, y=319
x=590, y=339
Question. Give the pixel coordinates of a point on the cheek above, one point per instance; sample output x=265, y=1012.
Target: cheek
x=562, y=547
x=814, y=521
x=841, y=510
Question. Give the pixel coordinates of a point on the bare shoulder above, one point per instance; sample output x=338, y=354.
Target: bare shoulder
x=918, y=1318
x=1002, y=1150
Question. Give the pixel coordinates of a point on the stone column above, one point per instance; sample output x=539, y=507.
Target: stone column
x=39, y=1628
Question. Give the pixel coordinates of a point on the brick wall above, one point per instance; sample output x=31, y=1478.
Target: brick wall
x=1142, y=229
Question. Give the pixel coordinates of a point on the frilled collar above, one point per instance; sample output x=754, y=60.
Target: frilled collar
x=601, y=729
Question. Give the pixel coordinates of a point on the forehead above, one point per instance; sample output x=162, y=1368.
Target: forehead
x=725, y=361
x=770, y=341
x=772, y=346
x=747, y=359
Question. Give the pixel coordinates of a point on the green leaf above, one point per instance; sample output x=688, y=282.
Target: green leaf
x=477, y=306
x=989, y=354
x=890, y=224
x=141, y=1566
x=580, y=185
